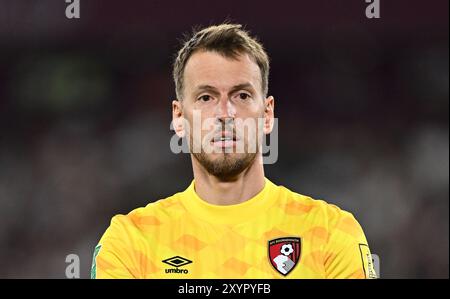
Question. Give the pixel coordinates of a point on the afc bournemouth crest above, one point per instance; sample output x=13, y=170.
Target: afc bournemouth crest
x=284, y=254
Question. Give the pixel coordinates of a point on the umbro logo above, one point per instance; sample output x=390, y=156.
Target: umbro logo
x=177, y=261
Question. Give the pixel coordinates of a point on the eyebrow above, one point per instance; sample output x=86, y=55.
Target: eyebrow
x=241, y=86
x=212, y=89
x=209, y=88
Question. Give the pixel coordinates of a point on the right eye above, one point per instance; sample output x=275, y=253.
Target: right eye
x=205, y=98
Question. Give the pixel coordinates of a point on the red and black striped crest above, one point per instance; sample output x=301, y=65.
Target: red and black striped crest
x=284, y=253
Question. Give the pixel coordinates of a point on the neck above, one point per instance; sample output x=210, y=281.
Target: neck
x=215, y=191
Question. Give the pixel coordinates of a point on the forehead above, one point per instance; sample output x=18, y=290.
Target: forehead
x=212, y=68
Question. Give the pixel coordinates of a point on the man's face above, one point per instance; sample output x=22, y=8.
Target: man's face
x=226, y=111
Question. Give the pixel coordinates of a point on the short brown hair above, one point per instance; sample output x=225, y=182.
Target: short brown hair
x=229, y=40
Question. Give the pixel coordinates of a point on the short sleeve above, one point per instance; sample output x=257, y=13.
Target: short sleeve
x=112, y=256
x=347, y=253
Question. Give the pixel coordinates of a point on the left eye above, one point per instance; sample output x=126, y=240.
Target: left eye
x=244, y=96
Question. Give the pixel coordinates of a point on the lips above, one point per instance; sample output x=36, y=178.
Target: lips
x=225, y=139
x=224, y=136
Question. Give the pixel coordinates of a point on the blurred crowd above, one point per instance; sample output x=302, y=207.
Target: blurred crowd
x=85, y=128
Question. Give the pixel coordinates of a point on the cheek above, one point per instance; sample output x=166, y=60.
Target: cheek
x=253, y=113
x=202, y=126
x=208, y=127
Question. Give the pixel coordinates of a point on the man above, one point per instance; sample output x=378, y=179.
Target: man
x=231, y=222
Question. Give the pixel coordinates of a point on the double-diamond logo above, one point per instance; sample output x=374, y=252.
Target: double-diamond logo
x=177, y=261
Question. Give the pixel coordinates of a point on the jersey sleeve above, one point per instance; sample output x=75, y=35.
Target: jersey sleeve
x=113, y=257
x=347, y=253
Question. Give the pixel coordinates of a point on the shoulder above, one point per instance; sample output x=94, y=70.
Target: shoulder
x=330, y=215
x=150, y=216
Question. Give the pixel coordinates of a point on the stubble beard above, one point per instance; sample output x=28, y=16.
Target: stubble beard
x=227, y=166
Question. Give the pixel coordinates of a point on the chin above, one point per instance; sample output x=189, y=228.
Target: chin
x=225, y=166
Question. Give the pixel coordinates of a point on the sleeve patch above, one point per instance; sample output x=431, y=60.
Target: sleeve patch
x=94, y=262
x=367, y=261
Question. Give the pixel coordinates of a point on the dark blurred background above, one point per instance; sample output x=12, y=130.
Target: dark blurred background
x=85, y=110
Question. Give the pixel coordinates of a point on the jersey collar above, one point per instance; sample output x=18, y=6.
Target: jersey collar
x=229, y=214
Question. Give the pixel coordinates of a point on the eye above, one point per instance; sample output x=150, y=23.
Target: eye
x=205, y=98
x=244, y=96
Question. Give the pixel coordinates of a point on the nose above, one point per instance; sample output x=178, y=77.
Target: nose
x=225, y=109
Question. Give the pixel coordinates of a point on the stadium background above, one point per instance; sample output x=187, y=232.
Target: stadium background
x=85, y=114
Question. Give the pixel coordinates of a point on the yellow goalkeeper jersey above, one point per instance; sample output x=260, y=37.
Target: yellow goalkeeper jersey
x=276, y=234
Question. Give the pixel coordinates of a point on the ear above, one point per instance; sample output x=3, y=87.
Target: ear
x=177, y=118
x=269, y=106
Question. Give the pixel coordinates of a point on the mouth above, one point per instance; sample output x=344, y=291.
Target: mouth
x=224, y=139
